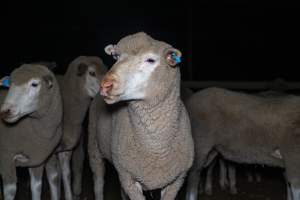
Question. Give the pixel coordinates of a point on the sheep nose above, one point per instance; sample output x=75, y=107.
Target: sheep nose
x=5, y=113
x=106, y=85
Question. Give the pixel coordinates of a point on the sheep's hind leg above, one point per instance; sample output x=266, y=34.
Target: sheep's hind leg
x=223, y=174
x=232, y=178
x=170, y=192
x=54, y=177
x=36, y=179
x=292, y=167
x=65, y=161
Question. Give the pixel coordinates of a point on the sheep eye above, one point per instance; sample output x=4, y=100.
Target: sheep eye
x=150, y=60
x=92, y=73
x=34, y=84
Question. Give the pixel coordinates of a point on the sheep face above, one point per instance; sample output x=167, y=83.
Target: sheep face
x=139, y=76
x=91, y=75
x=24, y=95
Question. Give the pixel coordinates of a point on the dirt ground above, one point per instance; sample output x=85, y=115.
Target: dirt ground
x=272, y=187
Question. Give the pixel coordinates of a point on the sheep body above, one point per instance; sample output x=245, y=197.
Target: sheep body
x=245, y=129
x=148, y=141
x=78, y=85
x=30, y=141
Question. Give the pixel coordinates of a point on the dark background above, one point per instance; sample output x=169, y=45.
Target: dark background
x=228, y=40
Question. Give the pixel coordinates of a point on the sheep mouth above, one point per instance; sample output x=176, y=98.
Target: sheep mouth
x=11, y=118
x=111, y=99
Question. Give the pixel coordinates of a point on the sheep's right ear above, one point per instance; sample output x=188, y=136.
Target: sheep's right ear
x=50, y=65
x=82, y=68
x=110, y=49
x=49, y=80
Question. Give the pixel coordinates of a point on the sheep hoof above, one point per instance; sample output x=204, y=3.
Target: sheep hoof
x=233, y=191
x=208, y=191
x=77, y=197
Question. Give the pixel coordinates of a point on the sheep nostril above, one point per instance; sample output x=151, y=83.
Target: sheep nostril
x=106, y=86
x=5, y=113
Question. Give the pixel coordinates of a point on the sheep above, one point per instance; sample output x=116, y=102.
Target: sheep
x=78, y=85
x=246, y=129
x=146, y=133
x=31, y=127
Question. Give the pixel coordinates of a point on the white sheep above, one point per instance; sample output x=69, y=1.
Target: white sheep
x=78, y=86
x=147, y=134
x=246, y=129
x=32, y=111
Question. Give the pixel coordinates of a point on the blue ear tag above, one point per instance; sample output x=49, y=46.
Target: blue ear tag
x=5, y=82
x=176, y=58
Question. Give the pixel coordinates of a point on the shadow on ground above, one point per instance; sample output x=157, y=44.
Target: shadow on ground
x=272, y=187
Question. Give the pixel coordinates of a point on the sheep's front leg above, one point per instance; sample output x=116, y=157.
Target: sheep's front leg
x=77, y=168
x=36, y=179
x=54, y=177
x=9, y=185
x=170, y=192
x=97, y=164
x=132, y=188
x=123, y=195
x=65, y=161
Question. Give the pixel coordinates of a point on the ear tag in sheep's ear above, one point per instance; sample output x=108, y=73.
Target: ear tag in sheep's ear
x=176, y=58
x=5, y=82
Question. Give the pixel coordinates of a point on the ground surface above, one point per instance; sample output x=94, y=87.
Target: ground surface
x=272, y=187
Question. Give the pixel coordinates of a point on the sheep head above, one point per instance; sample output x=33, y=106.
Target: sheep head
x=144, y=68
x=30, y=88
x=89, y=72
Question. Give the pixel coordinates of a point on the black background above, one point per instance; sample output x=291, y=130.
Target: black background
x=227, y=40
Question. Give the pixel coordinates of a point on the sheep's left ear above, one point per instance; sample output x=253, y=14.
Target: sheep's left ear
x=172, y=56
x=110, y=49
x=49, y=80
x=50, y=65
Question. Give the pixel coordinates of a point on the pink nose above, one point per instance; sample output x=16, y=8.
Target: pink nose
x=106, y=85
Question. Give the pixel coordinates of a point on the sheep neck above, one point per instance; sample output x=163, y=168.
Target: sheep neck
x=156, y=123
x=75, y=103
x=47, y=122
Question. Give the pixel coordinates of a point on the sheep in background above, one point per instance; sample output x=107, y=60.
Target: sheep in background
x=245, y=129
x=32, y=111
x=78, y=85
x=227, y=171
x=147, y=134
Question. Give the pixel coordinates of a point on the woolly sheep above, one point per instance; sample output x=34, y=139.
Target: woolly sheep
x=32, y=111
x=78, y=85
x=227, y=174
x=147, y=134
x=245, y=129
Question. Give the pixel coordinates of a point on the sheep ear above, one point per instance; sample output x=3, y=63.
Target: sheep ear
x=5, y=81
x=110, y=49
x=172, y=56
x=82, y=68
x=49, y=80
x=50, y=65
